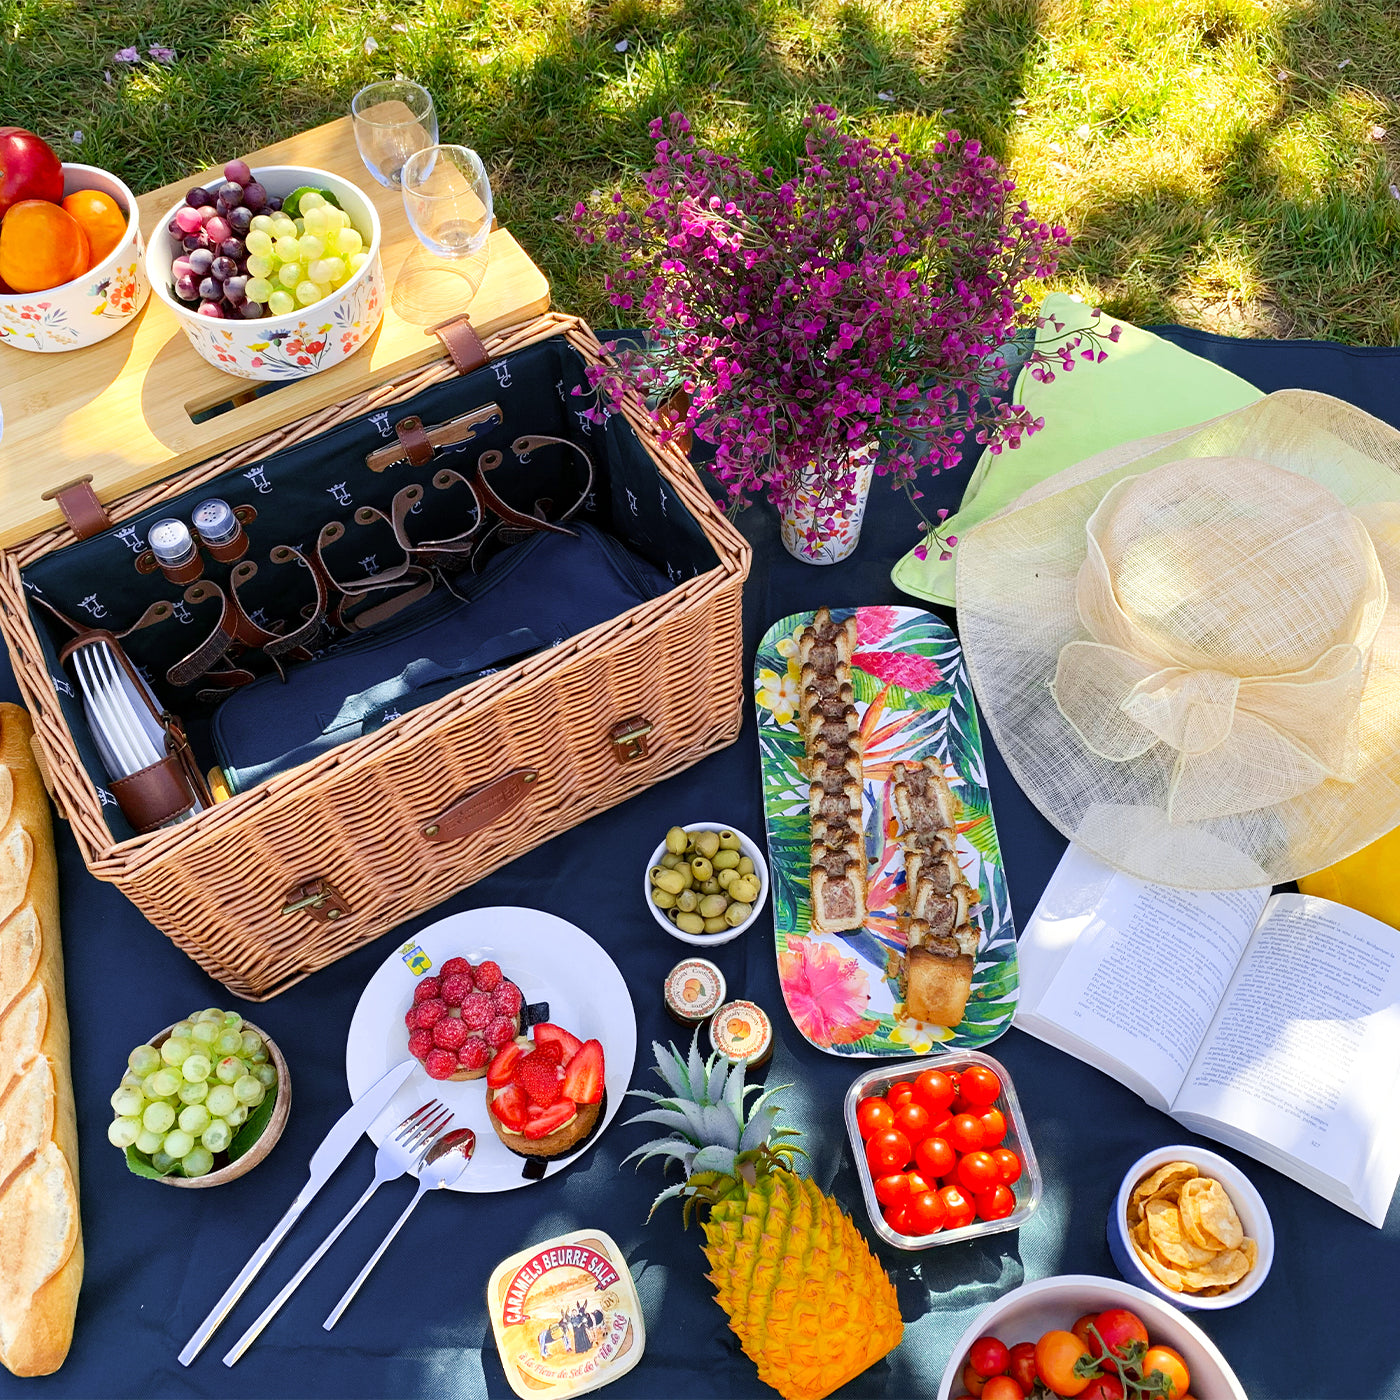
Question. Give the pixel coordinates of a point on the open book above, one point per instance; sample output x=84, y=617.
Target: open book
x=1268, y=1024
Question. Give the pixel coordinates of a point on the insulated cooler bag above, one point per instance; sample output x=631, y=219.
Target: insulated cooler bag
x=472, y=611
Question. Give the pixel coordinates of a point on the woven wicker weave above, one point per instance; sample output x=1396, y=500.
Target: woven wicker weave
x=355, y=816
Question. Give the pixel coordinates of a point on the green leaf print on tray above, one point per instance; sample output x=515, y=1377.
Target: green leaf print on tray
x=915, y=702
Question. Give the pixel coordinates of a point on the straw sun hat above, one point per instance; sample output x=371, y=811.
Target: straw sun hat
x=1188, y=647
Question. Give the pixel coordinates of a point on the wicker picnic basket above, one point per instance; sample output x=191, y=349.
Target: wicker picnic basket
x=278, y=881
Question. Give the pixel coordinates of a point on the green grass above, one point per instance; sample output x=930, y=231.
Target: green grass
x=1217, y=160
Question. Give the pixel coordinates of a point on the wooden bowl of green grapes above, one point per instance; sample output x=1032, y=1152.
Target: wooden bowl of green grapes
x=201, y=1103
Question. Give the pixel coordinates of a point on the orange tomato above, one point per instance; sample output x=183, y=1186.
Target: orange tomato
x=1171, y=1365
x=41, y=246
x=1002, y=1388
x=1055, y=1355
x=101, y=218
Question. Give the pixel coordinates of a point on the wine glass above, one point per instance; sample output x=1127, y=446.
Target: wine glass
x=448, y=200
x=392, y=120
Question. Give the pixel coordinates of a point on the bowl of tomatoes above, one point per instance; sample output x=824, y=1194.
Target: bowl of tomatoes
x=942, y=1150
x=1078, y=1335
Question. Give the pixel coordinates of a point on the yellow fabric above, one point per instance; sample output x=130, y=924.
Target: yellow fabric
x=1368, y=881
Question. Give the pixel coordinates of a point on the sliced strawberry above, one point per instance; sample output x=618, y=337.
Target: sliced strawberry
x=549, y=1120
x=568, y=1044
x=503, y=1065
x=510, y=1105
x=583, y=1079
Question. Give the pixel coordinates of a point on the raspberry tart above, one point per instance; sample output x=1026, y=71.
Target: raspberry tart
x=545, y=1093
x=460, y=1017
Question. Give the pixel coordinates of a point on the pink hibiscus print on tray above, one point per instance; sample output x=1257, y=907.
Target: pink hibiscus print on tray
x=826, y=993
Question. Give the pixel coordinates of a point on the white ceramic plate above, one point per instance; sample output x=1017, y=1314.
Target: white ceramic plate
x=550, y=960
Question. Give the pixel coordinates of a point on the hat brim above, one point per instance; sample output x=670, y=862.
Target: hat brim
x=1016, y=582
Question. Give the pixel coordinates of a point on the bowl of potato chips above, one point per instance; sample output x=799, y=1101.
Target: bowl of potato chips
x=1189, y=1226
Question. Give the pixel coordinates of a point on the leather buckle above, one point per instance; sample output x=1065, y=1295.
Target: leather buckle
x=319, y=898
x=629, y=739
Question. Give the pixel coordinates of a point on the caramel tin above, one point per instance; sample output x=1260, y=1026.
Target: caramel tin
x=694, y=991
x=566, y=1316
x=740, y=1030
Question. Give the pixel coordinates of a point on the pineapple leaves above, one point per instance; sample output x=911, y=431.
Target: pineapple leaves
x=672, y=1116
x=666, y=1195
x=671, y=1068
x=714, y=1159
x=697, y=1067
x=662, y=1147
x=757, y=1129
x=719, y=1072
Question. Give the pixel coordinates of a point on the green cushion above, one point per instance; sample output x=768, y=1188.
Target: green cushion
x=1145, y=386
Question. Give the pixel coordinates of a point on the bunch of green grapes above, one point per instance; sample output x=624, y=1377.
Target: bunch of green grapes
x=183, y=1102
x=296, y=262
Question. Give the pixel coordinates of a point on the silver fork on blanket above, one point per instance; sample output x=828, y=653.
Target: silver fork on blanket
x=402, y=1150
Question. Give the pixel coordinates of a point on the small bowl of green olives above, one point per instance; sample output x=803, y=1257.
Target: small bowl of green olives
x=705, y=883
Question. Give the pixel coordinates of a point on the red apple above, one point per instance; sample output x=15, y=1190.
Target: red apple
x=28, y=169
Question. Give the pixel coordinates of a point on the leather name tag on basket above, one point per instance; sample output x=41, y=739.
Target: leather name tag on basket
x=416, y=444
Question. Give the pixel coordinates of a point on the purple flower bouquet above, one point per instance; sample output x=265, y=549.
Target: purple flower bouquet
x=854, y=314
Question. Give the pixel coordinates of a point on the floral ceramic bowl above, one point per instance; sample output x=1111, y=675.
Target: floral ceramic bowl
x=304, y=341
x=93, y=306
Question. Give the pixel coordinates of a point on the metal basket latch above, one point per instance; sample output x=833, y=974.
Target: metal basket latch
x=629, y=739
x=319, y=898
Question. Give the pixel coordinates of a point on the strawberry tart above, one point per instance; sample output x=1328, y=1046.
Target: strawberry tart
x=460, y=1017
x=545, y=1093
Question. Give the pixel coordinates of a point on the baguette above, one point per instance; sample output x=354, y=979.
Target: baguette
x=40, y=1236
x=831, y=730
x=940, y=939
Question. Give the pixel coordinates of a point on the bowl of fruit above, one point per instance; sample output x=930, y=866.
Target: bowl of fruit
x=71, y=266
x=942, y=1150
x=201, y=1103
x=272, y=273
x=1081, y=1335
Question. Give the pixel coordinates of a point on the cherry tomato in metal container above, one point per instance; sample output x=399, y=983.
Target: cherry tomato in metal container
x=1002, y=1388
x=1022, y=1367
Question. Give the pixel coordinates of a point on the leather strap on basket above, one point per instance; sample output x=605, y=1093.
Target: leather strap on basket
x=232, y=629
x=480, y=807
x=406, y=581
x=463, y=345
x=300, y=640
x=85, y=514
x=454, y=432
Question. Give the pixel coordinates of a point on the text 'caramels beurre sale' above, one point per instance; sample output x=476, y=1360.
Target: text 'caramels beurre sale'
x=566, y=1316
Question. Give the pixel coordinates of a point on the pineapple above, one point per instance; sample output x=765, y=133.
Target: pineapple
x=804, y=1295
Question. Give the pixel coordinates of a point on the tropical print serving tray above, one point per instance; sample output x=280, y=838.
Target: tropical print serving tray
x=915, y=702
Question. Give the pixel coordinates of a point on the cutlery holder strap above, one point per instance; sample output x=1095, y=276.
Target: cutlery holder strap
x=151, y=797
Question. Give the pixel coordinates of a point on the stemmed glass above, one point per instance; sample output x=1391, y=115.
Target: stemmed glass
x=392, y=120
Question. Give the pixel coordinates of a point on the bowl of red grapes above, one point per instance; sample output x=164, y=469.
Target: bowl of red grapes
x=274, y=272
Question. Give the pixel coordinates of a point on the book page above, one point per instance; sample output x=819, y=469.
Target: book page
x=1146, y=974
x=1307, y=1042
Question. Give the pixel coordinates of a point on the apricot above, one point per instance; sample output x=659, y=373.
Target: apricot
x=41, y=246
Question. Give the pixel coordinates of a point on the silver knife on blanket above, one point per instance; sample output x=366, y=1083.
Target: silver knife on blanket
x=331, y=1153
